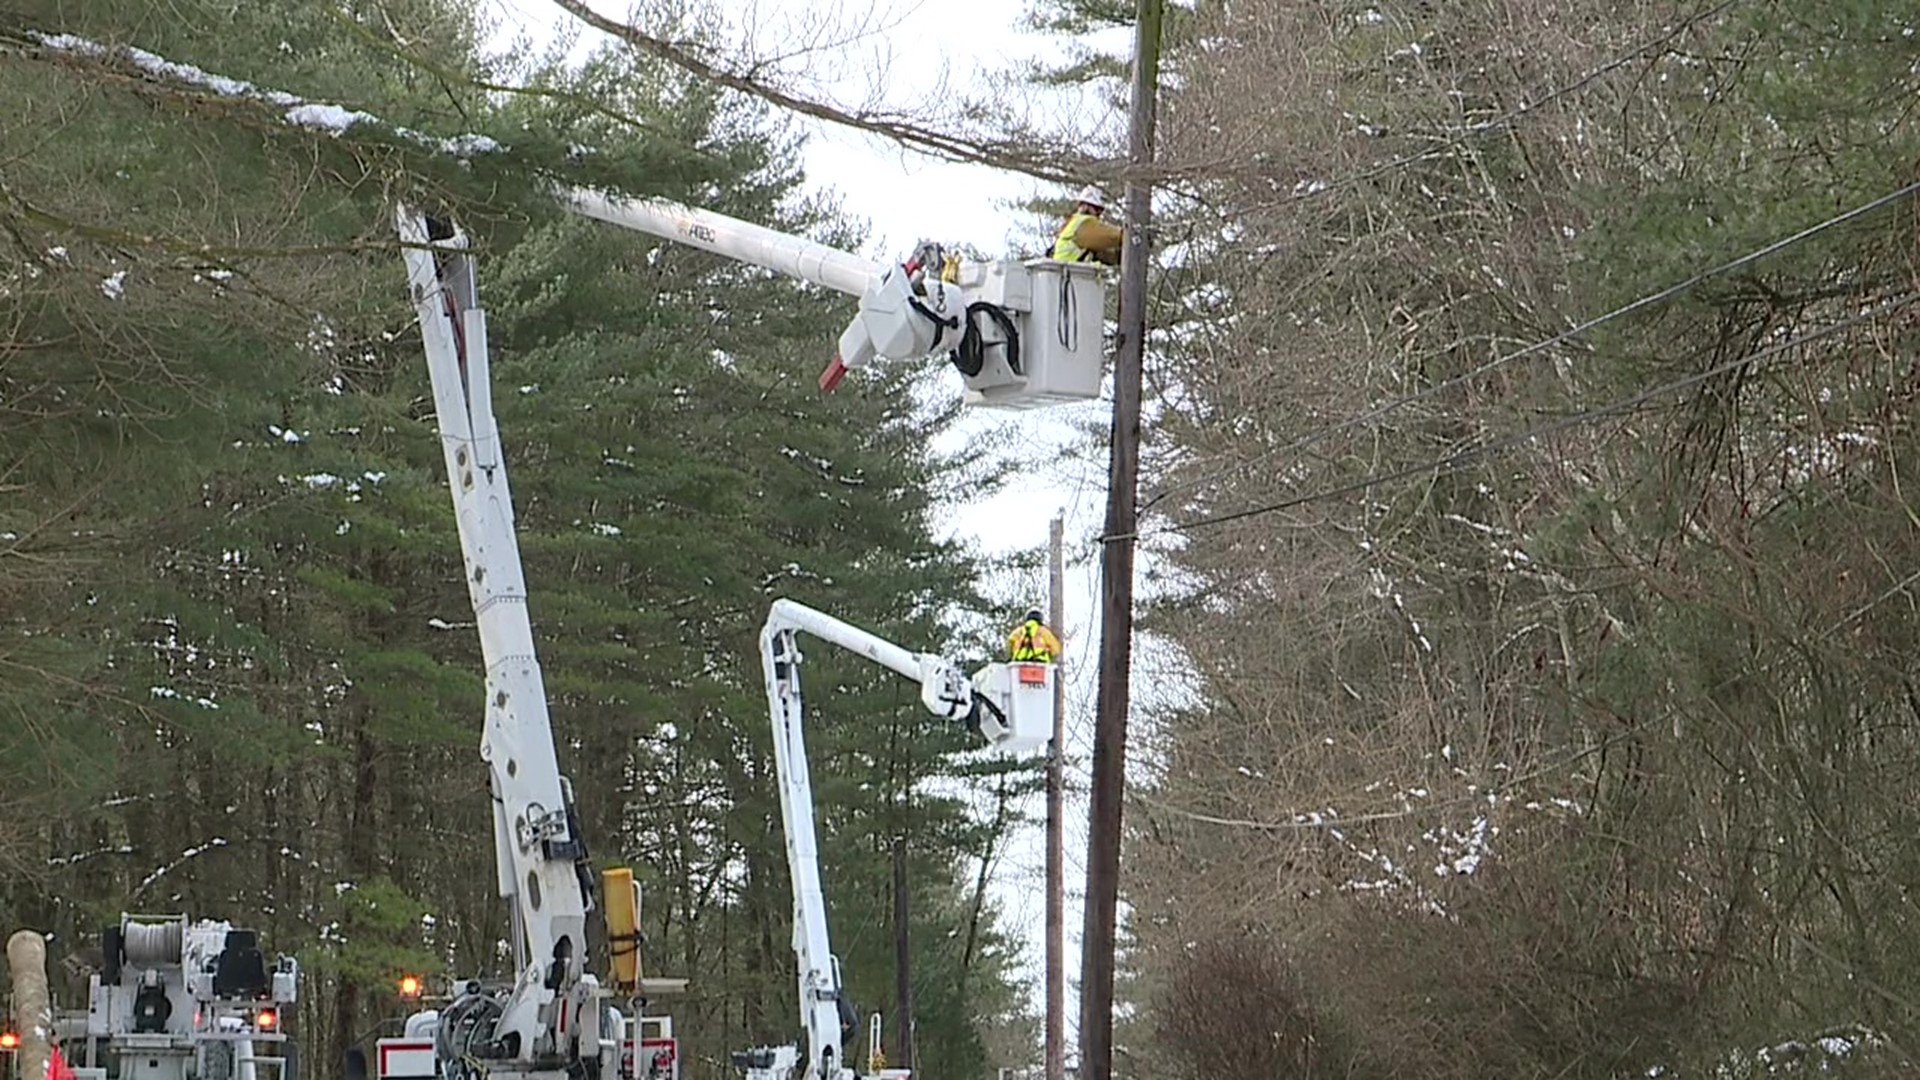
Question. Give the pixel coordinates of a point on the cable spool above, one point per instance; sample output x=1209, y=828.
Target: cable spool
x=147, y=944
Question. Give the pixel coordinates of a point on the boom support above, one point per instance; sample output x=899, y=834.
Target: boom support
x=1010, y=706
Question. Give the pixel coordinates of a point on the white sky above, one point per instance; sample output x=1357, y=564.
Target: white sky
x=915, y=48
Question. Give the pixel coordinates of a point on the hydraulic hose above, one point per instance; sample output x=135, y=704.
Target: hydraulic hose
x=982, y=702
x=970, y=356
x=466, y=1031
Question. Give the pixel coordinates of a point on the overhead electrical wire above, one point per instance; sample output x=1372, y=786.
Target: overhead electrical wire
x=1454, y=142
x=1471, y=131
x=1445, y=464
x=1644, y=302
x=1531, y=105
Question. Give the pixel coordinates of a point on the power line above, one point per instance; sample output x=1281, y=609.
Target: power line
x=1451, y=461
x=1649, y=300
x=1462, y=137
x=1525, y=107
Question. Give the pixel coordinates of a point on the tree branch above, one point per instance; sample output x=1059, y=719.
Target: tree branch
x=1054, y=165
x=448, y=75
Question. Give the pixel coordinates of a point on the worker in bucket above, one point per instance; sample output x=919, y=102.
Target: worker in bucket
x=1083, y=237
x=1031, y=641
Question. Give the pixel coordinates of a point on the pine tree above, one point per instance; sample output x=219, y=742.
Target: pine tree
x=266, y=622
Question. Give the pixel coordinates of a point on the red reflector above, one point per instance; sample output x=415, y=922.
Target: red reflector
x=831, y=377
x=1032, y=674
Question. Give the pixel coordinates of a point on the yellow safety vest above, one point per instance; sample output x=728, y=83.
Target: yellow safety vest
x=1064, y=247
x=1032, y=642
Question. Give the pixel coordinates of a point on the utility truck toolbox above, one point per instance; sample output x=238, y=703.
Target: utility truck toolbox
x=181, y=999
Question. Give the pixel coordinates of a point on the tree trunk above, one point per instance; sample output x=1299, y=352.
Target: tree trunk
x=902, y=963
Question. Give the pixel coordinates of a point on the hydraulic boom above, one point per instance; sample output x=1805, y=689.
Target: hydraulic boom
x=1021, y=334
x=1010, y=706
x=551, y=1021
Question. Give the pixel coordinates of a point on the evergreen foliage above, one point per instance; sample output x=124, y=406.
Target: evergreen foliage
x=247, y=684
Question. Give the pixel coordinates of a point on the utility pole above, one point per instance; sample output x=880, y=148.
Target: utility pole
x=1056, y=814
x=1116, y=569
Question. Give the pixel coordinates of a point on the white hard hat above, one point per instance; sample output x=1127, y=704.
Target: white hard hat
x=1092, y=195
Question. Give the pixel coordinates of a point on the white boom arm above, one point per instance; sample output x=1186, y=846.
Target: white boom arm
x=791, y=255
x=1008, y=705
x=905, y=312
x=550, y=1021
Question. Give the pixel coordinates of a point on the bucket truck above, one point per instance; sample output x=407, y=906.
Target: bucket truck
x=1009, y=706
x=1022, y=334
x=175, y=999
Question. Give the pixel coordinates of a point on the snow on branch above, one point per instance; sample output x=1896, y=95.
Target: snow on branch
x=296, y=111
x=190, y=853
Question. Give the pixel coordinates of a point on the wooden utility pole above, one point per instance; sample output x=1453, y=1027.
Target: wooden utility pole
x=1056, y=814
x=1116, y=570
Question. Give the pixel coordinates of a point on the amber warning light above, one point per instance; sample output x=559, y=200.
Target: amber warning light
x=409, y=986
x=9, y=1040
x=266, y=1019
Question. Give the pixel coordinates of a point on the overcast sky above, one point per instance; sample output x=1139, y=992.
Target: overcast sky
x=900, y=52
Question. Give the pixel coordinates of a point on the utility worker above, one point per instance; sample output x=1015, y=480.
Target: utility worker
x=1032, y=642
x=1083, y=237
